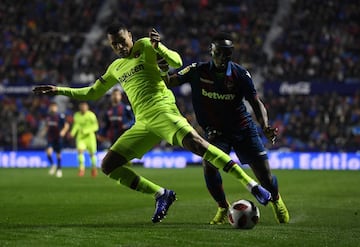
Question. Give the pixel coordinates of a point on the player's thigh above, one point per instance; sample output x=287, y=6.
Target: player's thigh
x=135, y=142
x=222, y=143
x=91, y=144
x=250, y=149
x=80, y=144
x=170, y=126
x=57, y=146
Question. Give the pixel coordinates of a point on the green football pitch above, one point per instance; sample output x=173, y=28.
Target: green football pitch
x=39, y=210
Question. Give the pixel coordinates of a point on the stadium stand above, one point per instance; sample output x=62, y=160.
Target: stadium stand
x=320, y=41
x=40, y=39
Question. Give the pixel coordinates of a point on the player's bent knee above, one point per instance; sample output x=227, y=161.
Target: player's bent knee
x=111, y=161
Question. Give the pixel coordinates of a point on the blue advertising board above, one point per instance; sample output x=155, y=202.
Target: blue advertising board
x=161, y=159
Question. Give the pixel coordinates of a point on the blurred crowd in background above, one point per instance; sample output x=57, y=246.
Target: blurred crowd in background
x=62, y=42
x=320, y=41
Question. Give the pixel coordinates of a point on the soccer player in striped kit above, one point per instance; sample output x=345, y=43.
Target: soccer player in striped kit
x=218, y=89
x=118, y=118
x=56, y=128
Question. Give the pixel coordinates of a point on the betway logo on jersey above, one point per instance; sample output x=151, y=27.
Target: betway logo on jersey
x=125, y=76
x=215, y=95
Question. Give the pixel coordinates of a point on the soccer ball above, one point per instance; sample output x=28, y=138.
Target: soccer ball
x=243, y=214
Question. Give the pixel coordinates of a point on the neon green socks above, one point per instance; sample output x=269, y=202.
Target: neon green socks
x=129, y=178
x=81, y=160
x=93, y=161
x=148, y=187
x=223, y=161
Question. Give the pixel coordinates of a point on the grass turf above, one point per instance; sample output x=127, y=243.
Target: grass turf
x=39, y=210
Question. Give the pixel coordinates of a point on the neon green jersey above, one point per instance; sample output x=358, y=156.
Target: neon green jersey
x=84, y=124
x=139, y=76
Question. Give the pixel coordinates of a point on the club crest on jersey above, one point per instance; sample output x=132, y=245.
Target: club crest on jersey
x=187, y=69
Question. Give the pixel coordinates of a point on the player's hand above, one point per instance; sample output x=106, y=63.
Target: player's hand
x=45, y=90
x=271, y=133
x=154, y=38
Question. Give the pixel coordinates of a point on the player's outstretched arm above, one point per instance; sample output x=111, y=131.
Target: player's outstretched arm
x=171, y=57
x=86, y=93
x=75, y=127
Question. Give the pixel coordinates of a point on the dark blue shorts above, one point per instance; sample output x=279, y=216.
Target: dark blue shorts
x=246, y=143
x=56, y=145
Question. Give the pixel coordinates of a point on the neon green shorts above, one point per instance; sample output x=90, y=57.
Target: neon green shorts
x=163, y=124
x=88, y=143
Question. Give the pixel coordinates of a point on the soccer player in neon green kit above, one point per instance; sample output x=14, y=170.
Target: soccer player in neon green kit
x=84, y=127
x=157, y=117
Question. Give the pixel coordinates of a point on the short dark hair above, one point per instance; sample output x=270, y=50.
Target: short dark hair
x=222, y=39
x=115, y=27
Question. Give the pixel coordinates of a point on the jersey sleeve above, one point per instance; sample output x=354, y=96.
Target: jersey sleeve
x=248, y=86
x=185, y=75
x=75, y=126
x=98, y=89
x=172, y=57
